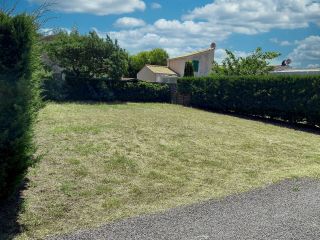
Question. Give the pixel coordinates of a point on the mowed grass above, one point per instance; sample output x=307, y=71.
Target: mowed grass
x=101, y=162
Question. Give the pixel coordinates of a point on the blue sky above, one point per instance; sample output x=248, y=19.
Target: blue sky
x=291, y=27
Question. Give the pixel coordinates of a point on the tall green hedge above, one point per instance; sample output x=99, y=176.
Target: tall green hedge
x=140, y=92
x=290, y=98
x=99, y=89
x=19, y=97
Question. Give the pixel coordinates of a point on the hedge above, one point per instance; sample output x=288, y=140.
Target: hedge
x=290, y=98
x=84, y=89
x=19, y=98
x=141, y=92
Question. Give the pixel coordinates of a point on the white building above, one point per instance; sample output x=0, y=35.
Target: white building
x=202, y=63
x=160, y=74
x=294, y=71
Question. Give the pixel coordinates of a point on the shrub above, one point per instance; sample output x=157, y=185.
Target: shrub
x=19, y=97
x=53, y=88
x=141, y=92
x=290, y=98
x=86, y=89
x=100, y=89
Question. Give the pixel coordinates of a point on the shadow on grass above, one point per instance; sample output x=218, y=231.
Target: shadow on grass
x=276, y=122
x=280, y=123
x=89, y=102
x=9, y=213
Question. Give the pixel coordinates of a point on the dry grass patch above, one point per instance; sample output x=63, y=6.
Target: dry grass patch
x=105, y=162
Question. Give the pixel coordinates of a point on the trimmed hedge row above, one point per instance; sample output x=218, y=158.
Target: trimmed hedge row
x=84, y=89
x=19, y=98
x=290, y=98
x=140, y=92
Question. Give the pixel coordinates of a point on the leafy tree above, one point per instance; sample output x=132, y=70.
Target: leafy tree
x=19, y=96
x=254, y=64
x=156, y=56
x=88, y=55
x=188, y=69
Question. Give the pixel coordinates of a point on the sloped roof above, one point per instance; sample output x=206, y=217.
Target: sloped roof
x=193, y=53
x=161, y=69
x=281, y=68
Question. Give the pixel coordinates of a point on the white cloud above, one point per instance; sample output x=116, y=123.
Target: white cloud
x=281, y=43
x=307, y=50
x=52, y=31
x=251, y=16
x=46, y=31
x=316, y=65
x=129, y=22
x=175, y=36
x=97, y=7
x=285, y=43
x=215, y=22
x=156, y=5
x=220, y=54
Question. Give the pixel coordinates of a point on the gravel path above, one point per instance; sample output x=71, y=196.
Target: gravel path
x=288, y=210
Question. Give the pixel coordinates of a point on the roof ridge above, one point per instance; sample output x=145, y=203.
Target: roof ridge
x=156, y=65
x=193, y=53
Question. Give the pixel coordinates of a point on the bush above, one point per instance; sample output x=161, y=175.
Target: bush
x=19, y=97
x=53, y=88
x=290, y=98
x=86, y=89
x=141, y=92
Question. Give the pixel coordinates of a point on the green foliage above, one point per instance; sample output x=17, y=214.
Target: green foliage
x=290, y=98
x=95, y=89
x=156, y=56
x=254, y=64
x=88, y=55
x=19, y=97
x=188, y=69
x=141, y=92
x=53, y=88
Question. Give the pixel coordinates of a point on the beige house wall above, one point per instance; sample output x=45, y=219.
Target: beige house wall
x=147, y=75
x=205, y=63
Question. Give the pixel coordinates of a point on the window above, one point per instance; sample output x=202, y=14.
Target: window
x=195, y=64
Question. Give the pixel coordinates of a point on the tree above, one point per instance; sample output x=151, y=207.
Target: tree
x=19, y=96
x=255, y=64
x=188, y=69
x=88, y=55
x=156, y=56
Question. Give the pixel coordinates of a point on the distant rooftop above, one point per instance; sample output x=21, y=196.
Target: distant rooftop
x=280, y=70
x=299, y=70
x=161, y=69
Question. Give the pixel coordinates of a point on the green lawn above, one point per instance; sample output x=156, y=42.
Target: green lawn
x=105, y=162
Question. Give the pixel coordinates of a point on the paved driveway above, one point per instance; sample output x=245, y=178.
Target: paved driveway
x=288, y=210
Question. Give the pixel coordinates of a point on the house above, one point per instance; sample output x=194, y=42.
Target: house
x=285, y=69
x=154, y=73
x=202, y=63
x=296, y=71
